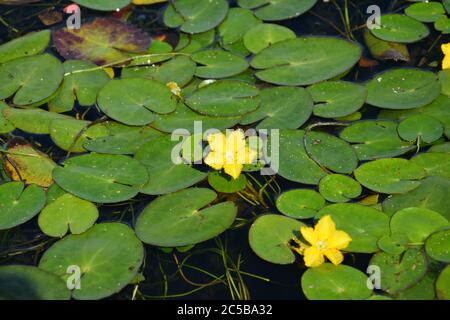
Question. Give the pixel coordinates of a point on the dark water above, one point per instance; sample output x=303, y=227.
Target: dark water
x=24, y=245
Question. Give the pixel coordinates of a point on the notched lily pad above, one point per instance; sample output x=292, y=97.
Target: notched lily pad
x=420, y=127
x=216, y=64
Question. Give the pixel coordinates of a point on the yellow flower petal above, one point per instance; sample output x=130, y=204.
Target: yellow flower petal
x=446, y=50
x=334, y=255
x=339, y=240
x=233, y=170
x=325, y=228
x=215, y=160
x=235, y=141
x=309, y=235
x=217, y=142
x=313, y=257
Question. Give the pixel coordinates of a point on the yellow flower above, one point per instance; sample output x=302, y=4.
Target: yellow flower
x=325, y=241
x=446, y=50
x=174, y=88
x=229, y=152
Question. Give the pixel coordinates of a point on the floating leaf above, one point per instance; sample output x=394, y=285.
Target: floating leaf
x=265, y=35
x=30, y=283
x=390, y=175
x=216, y=64
x=109, y=256
x=224, y=98
x=339, y=188
x=434, y=163
x=104, y=40
x=24, y=163
x=431, y=194
x=190, y=221
x=281, y=108
x=417, y=223
x=235, y=25
x=400, y=28
x=110, y=5
x=403, y=89
x=443, y=24
x=331, y=152
x=420, y=127
x=30, y=44
x=329, y=282
x=82, y=87
x=438, y=246
x=270, y=235
x=35, y=121
x=443, y=284
x=101, y=178
x=304, y=61
x=375, y=139
x=400, y=271
x=19, y=204
x=226, y=184
x=365, y=225
x=195, y=16
x=300, y=203
x=425, y=11
x=131, y=101
x=384, y=50
x=190, y=43
x=277, y=10
x=6, y=126
x=334, y=99
x=67, y=213
x=422, y=290
x=30, y=79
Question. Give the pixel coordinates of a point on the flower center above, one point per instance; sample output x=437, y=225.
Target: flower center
x=321, y=245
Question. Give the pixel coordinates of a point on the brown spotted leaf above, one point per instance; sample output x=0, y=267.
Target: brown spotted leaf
x=104, y=40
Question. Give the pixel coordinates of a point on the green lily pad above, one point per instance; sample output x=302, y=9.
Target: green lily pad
x=425, y=11
x=300, y=203
x=184, y=117
x=339, y=188
x=417, y=223
x=120, y=139
x=281, y=108
x=103, y=40
x=439, y=148
x=365, y=225
x=277, y=10
x=190, y=219
x=27, y=164
x=431, y=194
x=390, y=175
x=391, y=244
x=30, y=44
x=82, y=87
x=236, y=24
x=422, y=127
x=265, y=35
x=443, y=284
x=109, y=257
x=270, y=235
x=385, y=50
x=67, y=213
x=180, y=69
x=304, y=61
x=195, y=16
x=422, y=290
x=35, y=121
x=30, y=283
x=110, y=5
x=295, y=164
x=19, y=204
x=444, y=79
x=70, y=134
x=101, y=178
x=331, y=152
x=216, y=64
x=442, y=24
x=403, y=89
x=334, y=99
x=131, y=101
x=329, y=282
x=400, y=28
x=434, y=163
x=437, y=246
x=226, y=184
x=400, y=271
x=190, y=43
x=6, y=126
x=375, y=139
x=30, y=79
x=224, y=98
x=165, y=175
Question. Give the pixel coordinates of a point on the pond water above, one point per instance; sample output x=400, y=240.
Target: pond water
x=241, y=274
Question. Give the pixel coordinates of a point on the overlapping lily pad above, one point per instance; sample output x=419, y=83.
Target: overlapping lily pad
x=110, y=5
x=265, y=35
x=400, y=28
x=438, y=246
x=31, y=44
x=236, y=24
x=35, y=121
x=277, y=10
x=339, y=188
x=184, y=218
x=443, y=284
x=304, y=61
x=426, y=11
x=216, y=64
x=109, y=256
x=101, y=178
x=19, y=204
x=420, y=127
x=434, y=163
x=270, y=236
